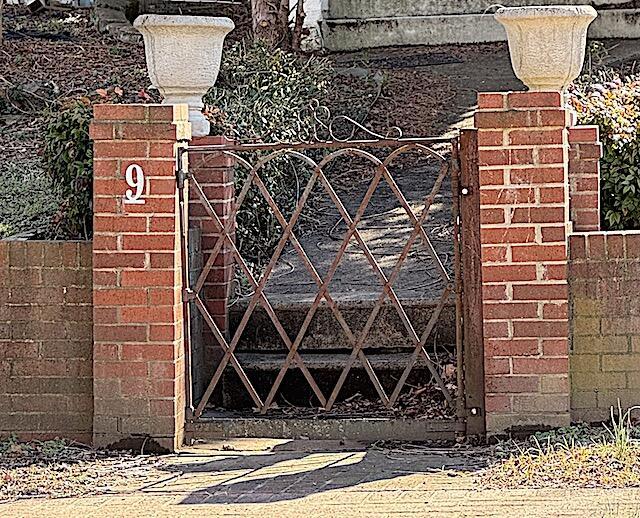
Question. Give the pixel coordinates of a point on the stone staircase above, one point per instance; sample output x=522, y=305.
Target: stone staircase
x=360, y=24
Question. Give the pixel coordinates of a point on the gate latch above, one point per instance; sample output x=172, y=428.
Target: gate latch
x=188, y=295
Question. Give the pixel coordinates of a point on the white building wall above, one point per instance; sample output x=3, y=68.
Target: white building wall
x=313, y=9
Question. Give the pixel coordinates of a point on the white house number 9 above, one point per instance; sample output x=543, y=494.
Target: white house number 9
x=134, y=177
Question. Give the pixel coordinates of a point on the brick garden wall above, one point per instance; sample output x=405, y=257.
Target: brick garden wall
x=538, y=178
x=604, y=280
x=46, y=340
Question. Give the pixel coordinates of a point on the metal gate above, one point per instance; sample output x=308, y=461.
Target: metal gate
x=457, y=169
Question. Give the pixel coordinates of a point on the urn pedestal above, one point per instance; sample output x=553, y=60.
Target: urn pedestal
x=547, y=43
x=183, y=55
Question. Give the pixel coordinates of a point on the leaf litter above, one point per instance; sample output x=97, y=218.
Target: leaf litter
x=59, y=468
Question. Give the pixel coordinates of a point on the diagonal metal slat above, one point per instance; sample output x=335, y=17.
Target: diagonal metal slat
x=403, y=202
x=356, y=342
x=323, y=291
x=234, y=361
x=258, y=295
x=388, y=291
x=258, y=287
x=228, y=226
x=420, y=347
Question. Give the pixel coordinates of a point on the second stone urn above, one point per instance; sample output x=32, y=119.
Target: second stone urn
x=183, y=56
x=547, y=43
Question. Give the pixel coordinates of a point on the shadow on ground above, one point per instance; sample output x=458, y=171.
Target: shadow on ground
x=289, y=472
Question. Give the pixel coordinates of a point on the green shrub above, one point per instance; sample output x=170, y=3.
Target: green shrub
x=68, y=156
x=265, y=95
x=613, y=104
x=27, y=203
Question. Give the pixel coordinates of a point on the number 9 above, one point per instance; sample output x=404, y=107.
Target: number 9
x=135, y=181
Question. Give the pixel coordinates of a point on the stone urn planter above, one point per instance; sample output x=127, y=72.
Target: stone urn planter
x=547, y=44
x=183, y=56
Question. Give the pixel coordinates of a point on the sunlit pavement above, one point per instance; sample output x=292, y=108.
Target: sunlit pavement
x=281, y=479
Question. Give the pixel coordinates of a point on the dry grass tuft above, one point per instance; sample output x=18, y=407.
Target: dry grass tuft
x=601, y=465
x=575, y=457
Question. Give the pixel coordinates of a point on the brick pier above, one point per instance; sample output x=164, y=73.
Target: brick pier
x=138, y=355
x=524, y=199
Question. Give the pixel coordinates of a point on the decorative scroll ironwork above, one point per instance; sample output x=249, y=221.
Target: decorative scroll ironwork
x=322, y=126
x=324, y=121
x=356, y=341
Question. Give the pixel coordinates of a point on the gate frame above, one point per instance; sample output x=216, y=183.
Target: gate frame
x=471, y=255
x=464, y=175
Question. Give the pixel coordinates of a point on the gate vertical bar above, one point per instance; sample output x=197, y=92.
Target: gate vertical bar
x=455, y=196
x=473, y=348
x=183, y=200
x=196, y=323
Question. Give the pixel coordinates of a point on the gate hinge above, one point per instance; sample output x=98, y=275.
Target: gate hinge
x=181, y=177
x=188, y=295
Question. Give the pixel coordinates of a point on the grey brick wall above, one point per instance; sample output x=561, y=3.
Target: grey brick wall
x=604, y=280
x=46, y=339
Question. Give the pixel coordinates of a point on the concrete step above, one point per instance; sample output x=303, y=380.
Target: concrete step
x=215, y=426
x=334, y=361
x=347, y=34
x=363, y=9
x=325, y=333
x=325, y=368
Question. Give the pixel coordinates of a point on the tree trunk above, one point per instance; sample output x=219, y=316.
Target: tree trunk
x=298, y=26
x=271, y=22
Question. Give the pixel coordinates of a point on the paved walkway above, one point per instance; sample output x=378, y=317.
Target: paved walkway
x=276, y=478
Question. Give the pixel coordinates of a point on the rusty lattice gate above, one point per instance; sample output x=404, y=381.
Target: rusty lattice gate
x=455, y=382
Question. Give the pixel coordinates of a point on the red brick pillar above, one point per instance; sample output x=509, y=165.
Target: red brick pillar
x=214, y=172
x=138, y=358
x=585, y=152
x=523, y=153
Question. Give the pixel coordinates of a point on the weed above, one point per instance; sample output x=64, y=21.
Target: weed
x=621, y=428
x=27, y=199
